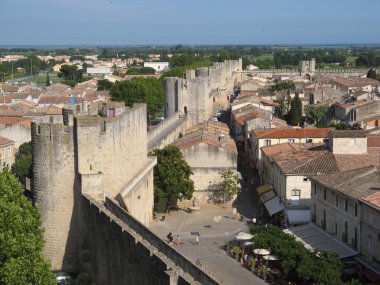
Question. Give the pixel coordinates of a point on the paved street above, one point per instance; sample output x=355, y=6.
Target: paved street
x=213, y=235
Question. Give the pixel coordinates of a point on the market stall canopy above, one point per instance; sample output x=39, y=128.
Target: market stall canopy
x=274, y=205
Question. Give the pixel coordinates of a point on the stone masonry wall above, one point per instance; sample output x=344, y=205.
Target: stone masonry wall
x=54, y=189
x=115, y=147
x=123, y=251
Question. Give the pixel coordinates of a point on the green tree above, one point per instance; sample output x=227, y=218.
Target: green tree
x=21, y=239
x=22, y=167
x=70, y=72
x=47, y=79
x=229, y=185
x=171, y=178
x=140, y=90
x=104, y=84
x=143, y=70
x=314, y=113
x=295, y=112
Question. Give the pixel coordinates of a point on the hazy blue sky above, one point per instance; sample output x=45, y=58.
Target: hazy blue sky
x=71, y=22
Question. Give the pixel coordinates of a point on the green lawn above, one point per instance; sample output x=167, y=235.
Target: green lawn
x=42, y=79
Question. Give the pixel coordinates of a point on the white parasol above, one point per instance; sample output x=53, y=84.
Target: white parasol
x=261, y=251
x=243, y=236
x=270, y=257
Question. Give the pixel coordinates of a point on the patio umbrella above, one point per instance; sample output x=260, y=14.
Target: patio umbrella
x=243, y=236
x=249, y=243
x=261, y=251
x=270, y=257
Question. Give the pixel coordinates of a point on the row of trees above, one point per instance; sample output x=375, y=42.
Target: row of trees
x=30, y=65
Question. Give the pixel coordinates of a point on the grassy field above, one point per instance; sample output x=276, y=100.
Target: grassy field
x=265, y=56
x=42, y=79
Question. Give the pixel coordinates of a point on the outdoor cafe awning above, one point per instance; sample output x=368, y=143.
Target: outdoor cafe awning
x=274, y=205
x=265, y=188
x=267, y=196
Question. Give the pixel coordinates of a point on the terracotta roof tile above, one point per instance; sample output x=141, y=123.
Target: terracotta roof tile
x=4, y=141
x=10, y=121
x=348, y=134
x=294, y=133
x=373, y=199
x=358, y=183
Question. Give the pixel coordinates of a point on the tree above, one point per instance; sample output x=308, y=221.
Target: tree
x=140, y=90
x=104, y=84
x=314, y=113
x=47, y=79
x=22, y=167
x=21, y=239
x=171, y=178
x=229, y=185
x=295, y=112
x=70, y=72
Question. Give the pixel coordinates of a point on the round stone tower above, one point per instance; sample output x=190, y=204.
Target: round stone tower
x=171, y=102
x=54, y=191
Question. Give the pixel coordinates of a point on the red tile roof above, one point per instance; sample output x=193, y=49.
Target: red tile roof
x=5, y=141
x=294, y=133
x=373, y=141
x=9, y=121
x=373, y=199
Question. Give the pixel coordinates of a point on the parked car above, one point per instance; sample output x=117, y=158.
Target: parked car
x=62, y=278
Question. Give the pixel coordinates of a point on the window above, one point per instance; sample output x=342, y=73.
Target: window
x=336, y=229
x=267, y=142
x=309, y=140
x=356, y=209
x=3, y=152
x=296, y=194
x=337, y=201
x=346, y=205
x=315, y=188
x=305, y=179
x=324, y=194
x=9, y=151
x=290, y=140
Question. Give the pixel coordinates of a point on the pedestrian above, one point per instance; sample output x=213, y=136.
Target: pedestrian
x=178, y=240
x=170, y=238
x=197, y=239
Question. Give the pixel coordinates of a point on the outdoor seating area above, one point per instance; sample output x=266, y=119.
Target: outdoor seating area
x=259, y=260
x=279, y=258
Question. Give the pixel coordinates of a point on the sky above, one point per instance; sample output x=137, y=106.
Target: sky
x=194, y=22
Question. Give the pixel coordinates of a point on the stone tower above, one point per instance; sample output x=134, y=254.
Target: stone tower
x=202, y=92
x=307, y=67
x=84, y=153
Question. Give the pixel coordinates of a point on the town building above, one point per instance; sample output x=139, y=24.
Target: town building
x=7, y=152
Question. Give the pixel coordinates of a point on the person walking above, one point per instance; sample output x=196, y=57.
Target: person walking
x=197, y=239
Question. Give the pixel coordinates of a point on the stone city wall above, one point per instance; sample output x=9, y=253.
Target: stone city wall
x=167, y=131
x=120, y=250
